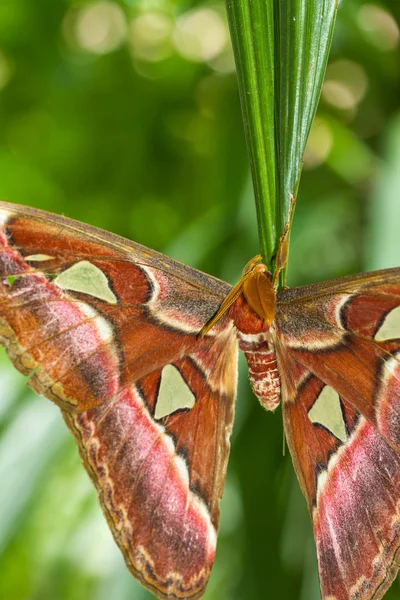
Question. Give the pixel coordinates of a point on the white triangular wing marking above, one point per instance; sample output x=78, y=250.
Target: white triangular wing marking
x=326, y=411
x=173, y=394
x=88, y=279
x=390, y=328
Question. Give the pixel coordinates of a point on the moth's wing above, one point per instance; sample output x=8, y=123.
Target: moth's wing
x=108, y=330
x=338, y=348
x=160, y=480
x=93, y=312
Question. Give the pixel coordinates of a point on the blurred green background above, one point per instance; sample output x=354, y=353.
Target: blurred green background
x=125, y=114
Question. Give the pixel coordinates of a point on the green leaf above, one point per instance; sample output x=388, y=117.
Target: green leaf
x=252, y=31
x=281, y=49
x=305, y=34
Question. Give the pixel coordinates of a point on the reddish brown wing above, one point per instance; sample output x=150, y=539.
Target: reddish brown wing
x=338, y=349
x=107, y=329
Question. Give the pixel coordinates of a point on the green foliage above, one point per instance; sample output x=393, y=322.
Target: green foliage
x=127, y=131
x=281, y=50
x=252, y=25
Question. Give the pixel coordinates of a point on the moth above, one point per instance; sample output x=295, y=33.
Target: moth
x=140, y=353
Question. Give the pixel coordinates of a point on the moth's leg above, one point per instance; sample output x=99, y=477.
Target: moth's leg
x=283, y=248
x=232, y=296
x=225, y=306
x=251, y=264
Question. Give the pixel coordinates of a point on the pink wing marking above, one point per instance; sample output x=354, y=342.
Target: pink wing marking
x=357, y=517
x=142, y=480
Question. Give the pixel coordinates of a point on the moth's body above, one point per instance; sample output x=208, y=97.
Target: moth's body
x=140, y=353
x=251, y=304
x=254, y=322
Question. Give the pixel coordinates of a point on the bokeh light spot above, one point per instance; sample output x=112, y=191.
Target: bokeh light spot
x=200, y=35
x=5, y=71
x=100, y=28
x=319, y=144
x=150, y=36
x=345, y=84
x=338, y=94
x=379, y=27
x=224, y=62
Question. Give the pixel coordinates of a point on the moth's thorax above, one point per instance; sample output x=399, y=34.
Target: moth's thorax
x=246, y=320
x=255, y=307
x=259, y=292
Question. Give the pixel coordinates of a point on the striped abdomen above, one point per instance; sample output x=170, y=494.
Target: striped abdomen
x=263, y=370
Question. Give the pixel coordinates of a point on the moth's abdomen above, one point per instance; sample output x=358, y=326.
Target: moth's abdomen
x=263, y=370
x=252, y=332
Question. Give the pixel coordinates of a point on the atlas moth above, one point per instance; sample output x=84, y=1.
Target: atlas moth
x=140, y=353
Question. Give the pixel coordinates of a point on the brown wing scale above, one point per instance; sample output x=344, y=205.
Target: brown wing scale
x=95, y=320
x=108, y=330
x=327, y=338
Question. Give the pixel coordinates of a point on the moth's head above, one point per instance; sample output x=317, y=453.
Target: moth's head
x=251, y=302
x=259, y=292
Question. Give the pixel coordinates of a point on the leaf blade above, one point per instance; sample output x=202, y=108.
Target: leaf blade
x=281, y=50
x=253, y=46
